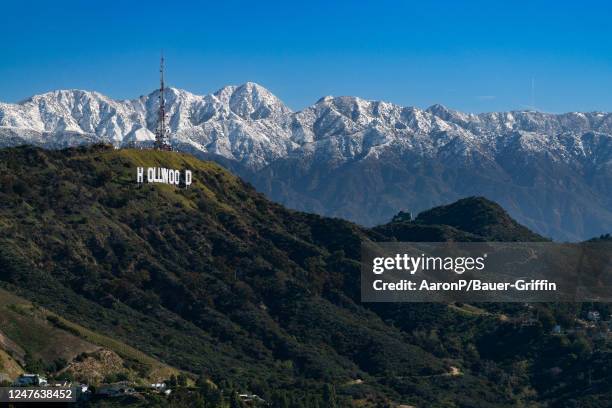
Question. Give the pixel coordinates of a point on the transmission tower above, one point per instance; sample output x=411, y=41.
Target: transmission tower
x=162, y=134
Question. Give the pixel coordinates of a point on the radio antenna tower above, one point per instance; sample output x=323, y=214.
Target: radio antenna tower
x=162, y=134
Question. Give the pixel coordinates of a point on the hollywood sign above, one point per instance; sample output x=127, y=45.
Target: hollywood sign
x=162, y=175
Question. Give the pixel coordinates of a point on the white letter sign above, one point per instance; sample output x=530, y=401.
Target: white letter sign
x=163, y=176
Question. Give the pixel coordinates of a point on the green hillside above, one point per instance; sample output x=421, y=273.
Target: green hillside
x=216, y=280
x=35, y=339
x=481, y=217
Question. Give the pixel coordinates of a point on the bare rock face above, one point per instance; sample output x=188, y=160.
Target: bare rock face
x=93, y=368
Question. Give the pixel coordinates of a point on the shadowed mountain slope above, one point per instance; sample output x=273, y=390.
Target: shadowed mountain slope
x=217, y=280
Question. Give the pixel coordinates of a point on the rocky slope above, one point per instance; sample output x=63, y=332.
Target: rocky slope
x=357, y=159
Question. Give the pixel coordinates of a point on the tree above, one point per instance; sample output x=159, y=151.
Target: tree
x=181, y=380
x=329, y=396
x=171, y=382
x=202, y=382
x=402, y=216
x=280, y=400
x=33, y=365
x=183, y=398
x=581, y=346
x=235, y=400
x=546, y=318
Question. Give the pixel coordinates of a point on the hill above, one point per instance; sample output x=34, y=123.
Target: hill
x=479, y=216
x=33, y=339
x=216, y=280
x=357, y=159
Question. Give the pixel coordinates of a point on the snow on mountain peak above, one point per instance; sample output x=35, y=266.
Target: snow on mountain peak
x=249, y=124
x=251, y=101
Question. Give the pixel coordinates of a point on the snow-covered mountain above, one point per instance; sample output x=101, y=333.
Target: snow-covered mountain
x=236, y=122
x=359, y=159
x=249, y=124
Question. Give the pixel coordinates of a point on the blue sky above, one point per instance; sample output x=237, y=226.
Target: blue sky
x=469, y=55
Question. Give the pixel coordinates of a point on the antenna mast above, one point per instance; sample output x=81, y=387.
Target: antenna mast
x=162, y=135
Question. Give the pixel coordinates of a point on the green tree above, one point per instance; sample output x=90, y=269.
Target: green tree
x=581, y=346
x=171, y=382
x=280, y=400
x=235, y=400
x=546, y=318
x=329, y=396
x=181, y=380
x=32, y=364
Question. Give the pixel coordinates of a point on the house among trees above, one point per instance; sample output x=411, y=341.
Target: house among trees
x=251, y=399
x=116, y=389
x=30, y=380
x=593, y=315
x=162, y=388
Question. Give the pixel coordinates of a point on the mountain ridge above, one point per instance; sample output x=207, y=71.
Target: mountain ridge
x=552, y=171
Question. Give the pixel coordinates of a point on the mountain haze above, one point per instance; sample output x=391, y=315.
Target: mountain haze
x=357, y=159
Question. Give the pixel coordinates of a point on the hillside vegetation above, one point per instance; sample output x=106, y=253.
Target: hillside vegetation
x=216, y=280
x=37, y=340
